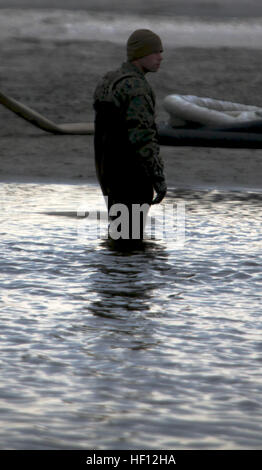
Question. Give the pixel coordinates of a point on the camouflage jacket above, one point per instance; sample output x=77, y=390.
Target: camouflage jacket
x=130, y=93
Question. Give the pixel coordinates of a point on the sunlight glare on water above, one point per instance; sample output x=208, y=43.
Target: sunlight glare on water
x=156, y=348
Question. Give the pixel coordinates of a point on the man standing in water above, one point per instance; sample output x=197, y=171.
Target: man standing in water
x=129, y=167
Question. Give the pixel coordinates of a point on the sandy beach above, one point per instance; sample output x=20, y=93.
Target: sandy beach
x=57, y=79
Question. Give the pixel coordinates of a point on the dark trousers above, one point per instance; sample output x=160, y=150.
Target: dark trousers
x=127, y=211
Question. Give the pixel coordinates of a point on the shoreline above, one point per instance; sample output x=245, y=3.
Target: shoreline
x=181, y=172
x=71, y=182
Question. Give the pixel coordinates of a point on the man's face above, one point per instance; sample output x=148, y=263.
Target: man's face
x=151, y=63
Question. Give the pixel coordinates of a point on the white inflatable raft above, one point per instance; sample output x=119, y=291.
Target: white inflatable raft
x=189, y=110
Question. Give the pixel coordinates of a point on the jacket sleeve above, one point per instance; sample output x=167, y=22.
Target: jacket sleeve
x=142, y=134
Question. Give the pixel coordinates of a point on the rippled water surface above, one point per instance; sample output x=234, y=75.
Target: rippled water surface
x=157, y=348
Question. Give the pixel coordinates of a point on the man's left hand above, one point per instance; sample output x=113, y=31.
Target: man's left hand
x=161, y=189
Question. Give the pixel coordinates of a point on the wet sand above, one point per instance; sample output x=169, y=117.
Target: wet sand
x=57, y=79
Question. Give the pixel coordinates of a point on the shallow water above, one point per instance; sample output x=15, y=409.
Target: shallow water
x=157, y=348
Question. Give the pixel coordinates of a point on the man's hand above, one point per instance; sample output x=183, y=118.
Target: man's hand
x=161, y=189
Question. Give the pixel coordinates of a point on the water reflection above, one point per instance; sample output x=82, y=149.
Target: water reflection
x=131, y=276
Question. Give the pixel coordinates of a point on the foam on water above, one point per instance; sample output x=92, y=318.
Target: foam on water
x=63, y=25
x=158, y=348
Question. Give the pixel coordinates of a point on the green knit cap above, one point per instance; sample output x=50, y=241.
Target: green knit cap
x=141, y=43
